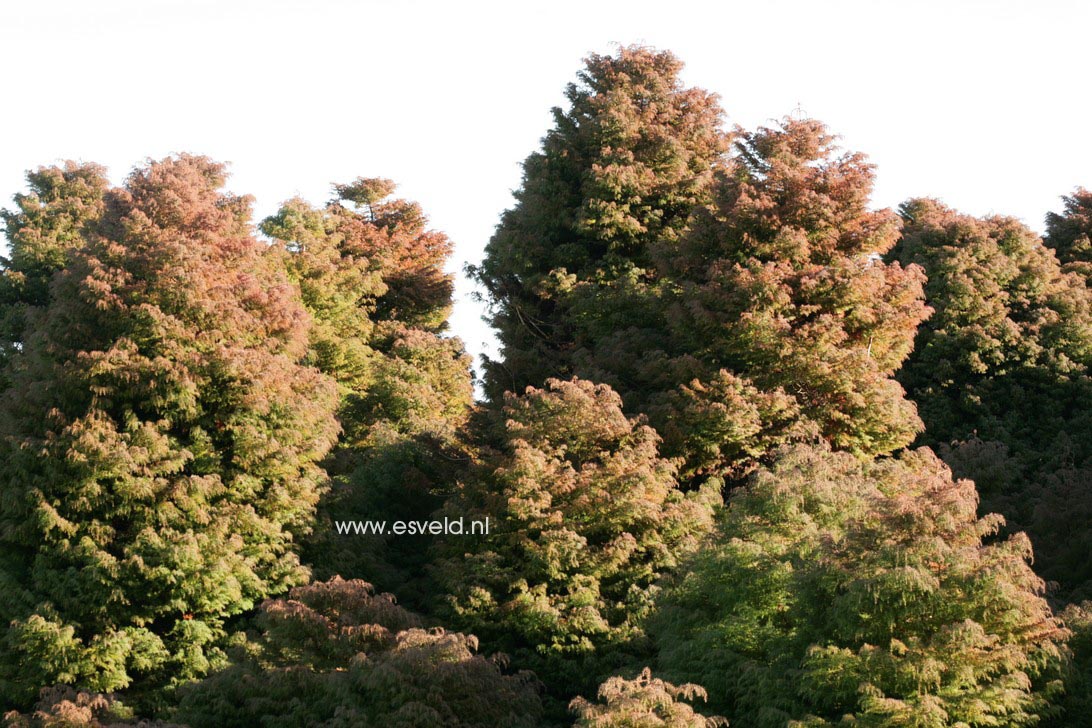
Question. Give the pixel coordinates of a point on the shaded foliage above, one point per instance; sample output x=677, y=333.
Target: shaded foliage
x=620, y=169
x=1068, y=233
x=336, y=653
x=1000, y=374
x=1076, y=705
x=63, y=707
x=771, y=318
x=48, y=222
x=777, y=282
x=759, y=316
x=372, y=277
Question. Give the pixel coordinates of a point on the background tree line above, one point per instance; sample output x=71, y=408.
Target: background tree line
x=751, y=448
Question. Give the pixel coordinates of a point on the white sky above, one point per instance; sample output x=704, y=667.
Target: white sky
x=985, y=105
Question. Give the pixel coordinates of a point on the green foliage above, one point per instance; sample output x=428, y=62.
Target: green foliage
x=621, y=168
x=644, y=702
x=185, y=411
x=63, y=707
x=372, y=278
x=1069, y=233
x=760, y=315
x=50, y=220
x=159, y=443
x=778, y=283
x=584, y=518
x=842, y=589
x=337, y=654
x=1000, y=374
x=771, y=318
x=1006, y=354
x=1076, y=705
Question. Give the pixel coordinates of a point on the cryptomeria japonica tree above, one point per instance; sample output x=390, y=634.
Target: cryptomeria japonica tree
x=159, y=442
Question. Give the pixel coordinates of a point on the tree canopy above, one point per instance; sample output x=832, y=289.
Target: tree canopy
x=840, y=588
x=161, y=441
x=685, y=487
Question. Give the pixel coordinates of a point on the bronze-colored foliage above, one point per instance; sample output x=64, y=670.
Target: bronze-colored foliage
x=585, y=517
x=159, y=442
x=643, y=702
x=336, y=654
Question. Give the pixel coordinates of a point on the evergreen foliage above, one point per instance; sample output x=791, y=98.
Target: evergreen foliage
x=371, y=274
x=336, y=653
x=159, y=442
x=841, y=589
x=620, y=169
x=778, y=283
x=644, y=702
x=684, y=312
x=49, y=221
x=584, y=517
x=749, y=310
x=1000, y=374
x=1069, y=233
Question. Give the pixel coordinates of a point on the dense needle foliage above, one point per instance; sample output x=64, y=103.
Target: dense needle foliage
x=691, y=457
x=1000, y=373
x=160, y=442
x=839, y=587
x=584, y=517
x=337, y=654
x=620, y=169
x=371, y=274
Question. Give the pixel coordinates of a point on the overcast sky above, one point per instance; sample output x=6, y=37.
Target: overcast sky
x=985, y=105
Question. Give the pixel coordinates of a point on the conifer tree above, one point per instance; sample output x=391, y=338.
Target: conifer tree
x=1000, y=374
x=159, y=442
x=372, y=277
x=49, y=221
x=584, y=518
x=842, y=589
x=779, y=283
x=1069, y=233
x=775, y=317
x=622, y=167
x=337, y=655
x=1006, y=355
x=738, y=302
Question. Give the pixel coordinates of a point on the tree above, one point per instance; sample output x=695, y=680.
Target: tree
x=372, y=277
x=337, y=654
x=1000, y=374
x=48, y=223
x=622, y=167
x=644, y=702
x=775, y=318
x=1006, y=354
x=584, y=518
x=779, y=283
x=701, y=287
x=159, y=442
x=847, y=589
x=1068, y=233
